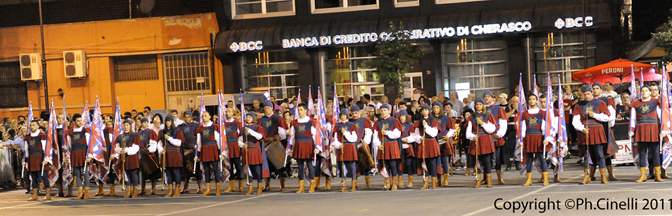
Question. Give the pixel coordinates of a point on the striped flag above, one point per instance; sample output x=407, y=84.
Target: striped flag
x=296, y=116
x=666, y=118
x=633, y=96
x=222, y=119
x=311, y=106
x=551, y=128
x=67, y=175
x=335, y=112
x=200, y=111
x=118, y=126
x=96, y=145
x=52, y=138
x=534, y=90
x=29, y=117
x=562, y=133
x=519, y=118
x=321, y=121
x=86, y=116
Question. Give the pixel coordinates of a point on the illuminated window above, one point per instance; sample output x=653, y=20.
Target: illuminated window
x=562, y=54
x=456, y=1
x=246, y=9
x=475, y=65
x=276, y=72
x=335, y=6
x=406, y=3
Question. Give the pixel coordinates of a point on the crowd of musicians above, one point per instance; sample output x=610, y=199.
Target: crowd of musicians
x=425, y=138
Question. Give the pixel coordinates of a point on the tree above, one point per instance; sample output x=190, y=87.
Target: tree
x=395, y=53
x=664, y=38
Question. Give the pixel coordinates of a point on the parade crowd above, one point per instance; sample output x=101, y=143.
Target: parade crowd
x=429, y=138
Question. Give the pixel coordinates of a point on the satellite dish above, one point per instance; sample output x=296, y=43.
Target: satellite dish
x=146, y=6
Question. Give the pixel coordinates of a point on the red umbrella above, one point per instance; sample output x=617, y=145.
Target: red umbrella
x=648, y=76
x=614, y=71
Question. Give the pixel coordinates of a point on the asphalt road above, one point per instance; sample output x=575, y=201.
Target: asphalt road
x=459, y=198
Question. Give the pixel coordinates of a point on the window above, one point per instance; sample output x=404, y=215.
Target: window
x=245, y=9
x=476, y=64
x=135, y=68
x=276, y=72
x=187, y=72
x=456, y=1
x=13, y=91
x=406, y=3
x=352, y=70
x=334, y=6
x=562, y=54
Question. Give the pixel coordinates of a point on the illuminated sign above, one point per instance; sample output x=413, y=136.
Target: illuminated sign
x=429, y=33
x=246, y=46
x=574, y=22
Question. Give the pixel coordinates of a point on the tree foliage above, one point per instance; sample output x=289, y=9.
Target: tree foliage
x=395, y=53
x=664, y=38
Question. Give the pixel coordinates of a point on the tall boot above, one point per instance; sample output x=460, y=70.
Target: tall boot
x=425, y=183
x=651, y=176
x=153, y=191
x=232, y=185
x=327, y=185
x=170, y=191
x=557, y=179
x=86, y=193
x=478, y=182
x=663, y=174
x=259, y=189
x=218, y=192
x=657, y=174
x=112, y=193
x=135, y=192
x=642, y=178
x=395, y=183
x=240, y=185
x=48, y=196
x=176, y=193
x=60, y=191
x=400, y=182
x=488, y=178
x=344, y=185
x=186, y=186
x=468, y=172
x=612, y=177
x=142, y=192
x=69, y=194
x=81, y=193
x=435, y=182
x=410, y=181
x=207, y=190
x=368, y=181
x=34, y=196
x=200, y=187
x=317, y=181
x=592, y=172
x=282, y=184
x=300, y=187
x=528, y=181
x=129, y=191
x=353, y=186
x=268, y=185
x=445, y=180
x=251, y=189
x=586, y=177
x=545, y=177
x=500, y=177
x=100, y=190
x=312, y=186
x=541, y=180
x=603, y=172
x=386, y=184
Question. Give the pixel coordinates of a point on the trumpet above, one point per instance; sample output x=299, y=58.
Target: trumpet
x=456, y=135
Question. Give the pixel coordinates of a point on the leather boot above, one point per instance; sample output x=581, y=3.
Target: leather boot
x=528, y=181
x=410, y=181
x=240, y=185
x=327, y=185
x=251, y=190
x=395, y=183
x=186, y=186
x=300, y=187
x=400, y=183
x=541, y=180
x=153, y=191
x=232, y=185
x=445, y=180
x=517, y=164
x=642, y=178
x=200, y=187
x=81, y=193
x=312, y=186
x=176, y=193
x=603, y=174
x=207, y=190
x=586, y=177
x=650, y=171
x=592, y=172
x=557, y=179
x=435, y=182
x=142, y=192
x=657, y=174
x=48, y=195
x=387, y=185
x=610, y=170
x=344, y=185
x=259, y=189
x=129, y=191
x=218, y=192
x=545, y=177
x=478, y=182
x=60, y=191
x=468, y=172
x=34, y=196
x=500, y=177
x=317, y=181
x=69, y=194
x=425, y=183
x=353, y=186
x=170, y=191
x=100, y=190
x=488, y=178
x=135, y=192
x=368, y=181
x=663, y=174
x=282, y=184
x=112, y=193
x=268, y=185
x=86, y=193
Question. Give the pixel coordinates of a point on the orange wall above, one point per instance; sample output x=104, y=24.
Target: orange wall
x=101, y=40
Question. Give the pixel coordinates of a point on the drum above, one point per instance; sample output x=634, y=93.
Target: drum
x=275, y=154
x=149, y=164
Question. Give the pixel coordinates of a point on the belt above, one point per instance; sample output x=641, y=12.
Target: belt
x=348, y=143
x=647, y=121
x=304, y=140
x=208, y=144
x=253, y=147
x=533, y=132
x=173, y=149
x=483, y=134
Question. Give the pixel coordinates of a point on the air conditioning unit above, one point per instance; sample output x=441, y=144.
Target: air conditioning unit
x=74, y=64
x=31, y=66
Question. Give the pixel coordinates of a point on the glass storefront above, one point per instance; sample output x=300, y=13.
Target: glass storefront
x=352, y=70
x=277, y=72
x=474, y=66
x=561, y=54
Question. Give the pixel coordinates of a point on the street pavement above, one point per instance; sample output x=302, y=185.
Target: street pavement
x=622, y=197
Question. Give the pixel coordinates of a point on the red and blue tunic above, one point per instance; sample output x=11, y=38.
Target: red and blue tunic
x=431, y=145
x=407, y=129
x=233, y=132
x=348, y=151
x=499, y=114
x=391, y=149
x=35, y=151
x=173, y=154
x=208, y=150
x=646, y=129
x=304, y=145
x=254, y=151
x=534, y=137
x=486, y=144
x=78, y=146
x=596, y=130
